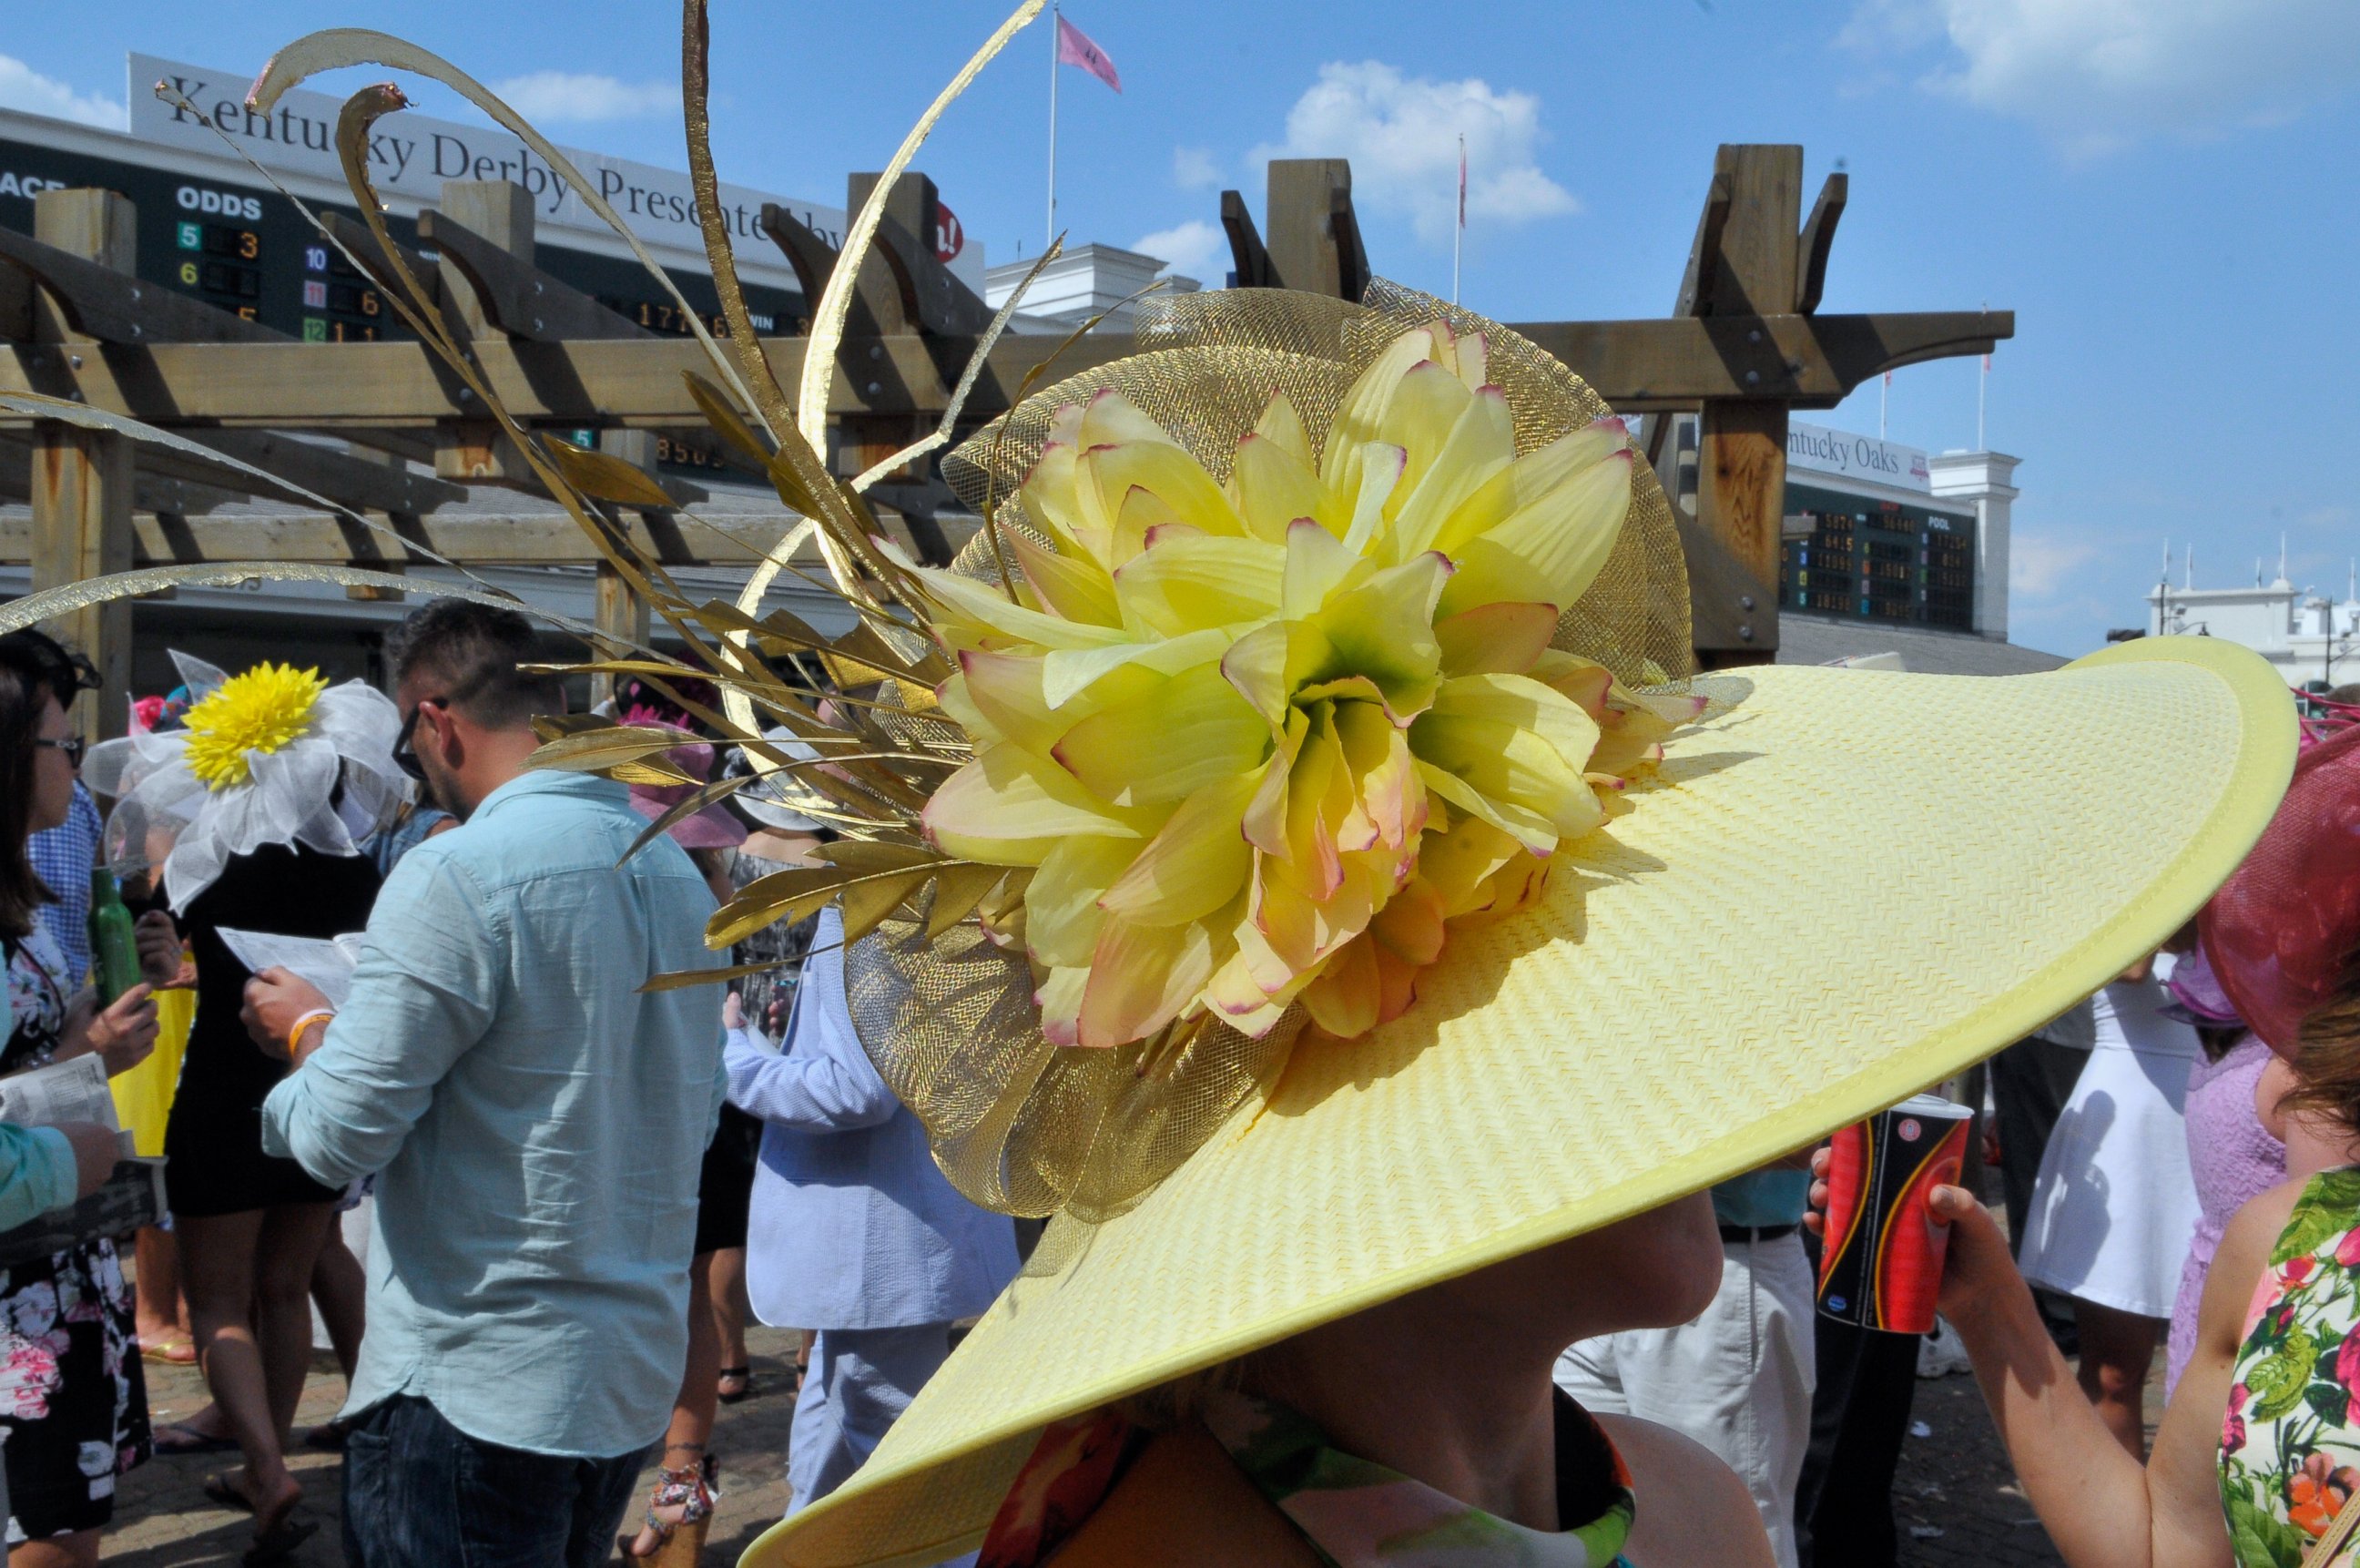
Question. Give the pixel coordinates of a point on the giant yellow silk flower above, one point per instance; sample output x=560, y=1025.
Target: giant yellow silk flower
x=1261, y=741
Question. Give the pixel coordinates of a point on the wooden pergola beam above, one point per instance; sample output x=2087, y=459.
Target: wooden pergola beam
x=1638, y=366
x=479, y=540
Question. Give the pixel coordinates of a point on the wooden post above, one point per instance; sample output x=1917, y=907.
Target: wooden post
x=81, y=480
x=501, y=211
x=1313, y=242
x=622, y=614
x=1742, y=443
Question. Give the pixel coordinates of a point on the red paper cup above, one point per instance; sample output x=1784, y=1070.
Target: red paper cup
x=1881, y=1264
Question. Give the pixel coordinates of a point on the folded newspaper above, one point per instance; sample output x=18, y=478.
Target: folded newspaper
x=327, y=964
x=75, y=1090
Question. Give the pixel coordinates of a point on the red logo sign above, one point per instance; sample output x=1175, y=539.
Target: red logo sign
x=950, y=238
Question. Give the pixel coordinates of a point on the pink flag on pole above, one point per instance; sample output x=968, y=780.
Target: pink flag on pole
x=1074, y=48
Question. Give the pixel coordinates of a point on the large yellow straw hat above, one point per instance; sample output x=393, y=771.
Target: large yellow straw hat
x=1838, y=888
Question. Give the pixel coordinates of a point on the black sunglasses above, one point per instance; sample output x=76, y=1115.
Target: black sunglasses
x=405, y=754
x=74, y=746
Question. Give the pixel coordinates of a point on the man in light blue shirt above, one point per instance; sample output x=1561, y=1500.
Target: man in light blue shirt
x=538, y=1123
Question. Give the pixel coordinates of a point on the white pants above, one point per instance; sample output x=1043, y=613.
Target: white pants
x=1737, y=1380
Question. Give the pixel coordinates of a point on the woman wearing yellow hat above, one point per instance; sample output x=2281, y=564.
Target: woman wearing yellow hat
x=1393, y=945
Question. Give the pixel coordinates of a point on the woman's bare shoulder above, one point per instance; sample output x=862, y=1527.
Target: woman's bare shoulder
x=1692, y=1505
x=1183, y=1502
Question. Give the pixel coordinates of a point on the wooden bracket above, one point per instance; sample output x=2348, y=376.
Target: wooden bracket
x=517, y=297
x=1817, y=239
x=1248, y=258
x=931, y=296
x=116, y=307
x=876, y=297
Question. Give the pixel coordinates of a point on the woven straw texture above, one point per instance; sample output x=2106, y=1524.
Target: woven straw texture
x=1849, y=886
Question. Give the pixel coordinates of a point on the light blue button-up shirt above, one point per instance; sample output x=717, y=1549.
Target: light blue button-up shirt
x=537, y=1122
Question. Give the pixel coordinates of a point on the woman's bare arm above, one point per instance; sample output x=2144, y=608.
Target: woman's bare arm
x=2102, y=1507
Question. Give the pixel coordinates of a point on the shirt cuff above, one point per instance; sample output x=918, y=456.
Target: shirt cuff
x=50, y=1168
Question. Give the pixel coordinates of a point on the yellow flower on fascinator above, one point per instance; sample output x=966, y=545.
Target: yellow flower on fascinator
x=1261, y=741
x=259, y=710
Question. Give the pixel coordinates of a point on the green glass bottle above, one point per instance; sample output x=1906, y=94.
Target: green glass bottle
x=114, y=950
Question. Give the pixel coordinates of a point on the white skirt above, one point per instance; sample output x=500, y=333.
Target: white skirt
x=2115, y=1205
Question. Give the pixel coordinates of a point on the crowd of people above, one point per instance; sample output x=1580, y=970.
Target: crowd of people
x=571, y=1187
x=577, y=1187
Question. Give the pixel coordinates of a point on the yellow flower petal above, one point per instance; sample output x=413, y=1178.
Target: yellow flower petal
x=1283, y=427
x=1188, y=583
x=1318, y=565
x=1176, y=480
x=1195, y=865
x=1075, y=586
x=1504, y=637
x=1060, y=1000
x=1482, y=443
x=1062, y=917
x=1358, y=416
x=980, y=610
x=1011, y=807
x=1168, y=742
x=1140, y=978
x=1347, y=996
x=1066, y=674
x=1271, y=487
x=1527, y=480
x=1551, y=550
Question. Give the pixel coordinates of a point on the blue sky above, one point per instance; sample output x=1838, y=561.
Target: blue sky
x=2162, y=191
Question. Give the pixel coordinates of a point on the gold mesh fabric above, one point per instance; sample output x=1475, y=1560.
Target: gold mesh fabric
x=1025, y=1127
x=1842, y=890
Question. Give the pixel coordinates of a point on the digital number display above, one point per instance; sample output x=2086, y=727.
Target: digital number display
x=248, y=250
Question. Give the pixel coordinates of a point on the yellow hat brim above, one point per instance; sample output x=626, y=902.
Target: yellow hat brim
x=1847, y=886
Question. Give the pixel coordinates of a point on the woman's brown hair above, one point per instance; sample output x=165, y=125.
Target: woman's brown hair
x=29, y=665
x=2327, y=1061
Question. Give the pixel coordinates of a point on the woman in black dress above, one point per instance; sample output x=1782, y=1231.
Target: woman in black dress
x=74, y=1404
x=250, y=1225
x=267, y=796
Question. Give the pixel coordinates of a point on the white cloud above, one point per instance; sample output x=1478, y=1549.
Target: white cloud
x=22, y=87
x=2098, y=75
x=1194, y=249
x=560, y=97
x=1401, y=134
x=2040, y=565
x=1194, y=168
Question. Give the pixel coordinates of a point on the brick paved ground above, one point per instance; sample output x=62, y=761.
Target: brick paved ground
x=164, y=1521
x=1955, y=1480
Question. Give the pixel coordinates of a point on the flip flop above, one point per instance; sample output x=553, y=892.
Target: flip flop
x=277, y=1543
x=172, y=1353
x=222, y=1490
x=745, y=1379
x=190, y=1441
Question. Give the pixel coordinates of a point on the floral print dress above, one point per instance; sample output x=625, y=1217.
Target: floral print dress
x=73, y=1403
x=2290, y=1443
x=1351, y=1512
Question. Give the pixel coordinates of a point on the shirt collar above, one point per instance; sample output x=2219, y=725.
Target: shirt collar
x=550, y=781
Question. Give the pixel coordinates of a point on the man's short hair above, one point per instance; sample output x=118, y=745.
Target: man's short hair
x=470, y=653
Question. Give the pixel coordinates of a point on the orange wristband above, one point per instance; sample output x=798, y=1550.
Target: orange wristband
x=295, y=1035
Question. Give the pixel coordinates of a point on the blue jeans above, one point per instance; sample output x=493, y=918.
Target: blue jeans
x=419, y=1493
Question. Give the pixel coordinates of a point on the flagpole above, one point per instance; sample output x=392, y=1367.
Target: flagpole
x=1459, y=230
x=1983, y=382
x=1883, y=393
x=1052, y=238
